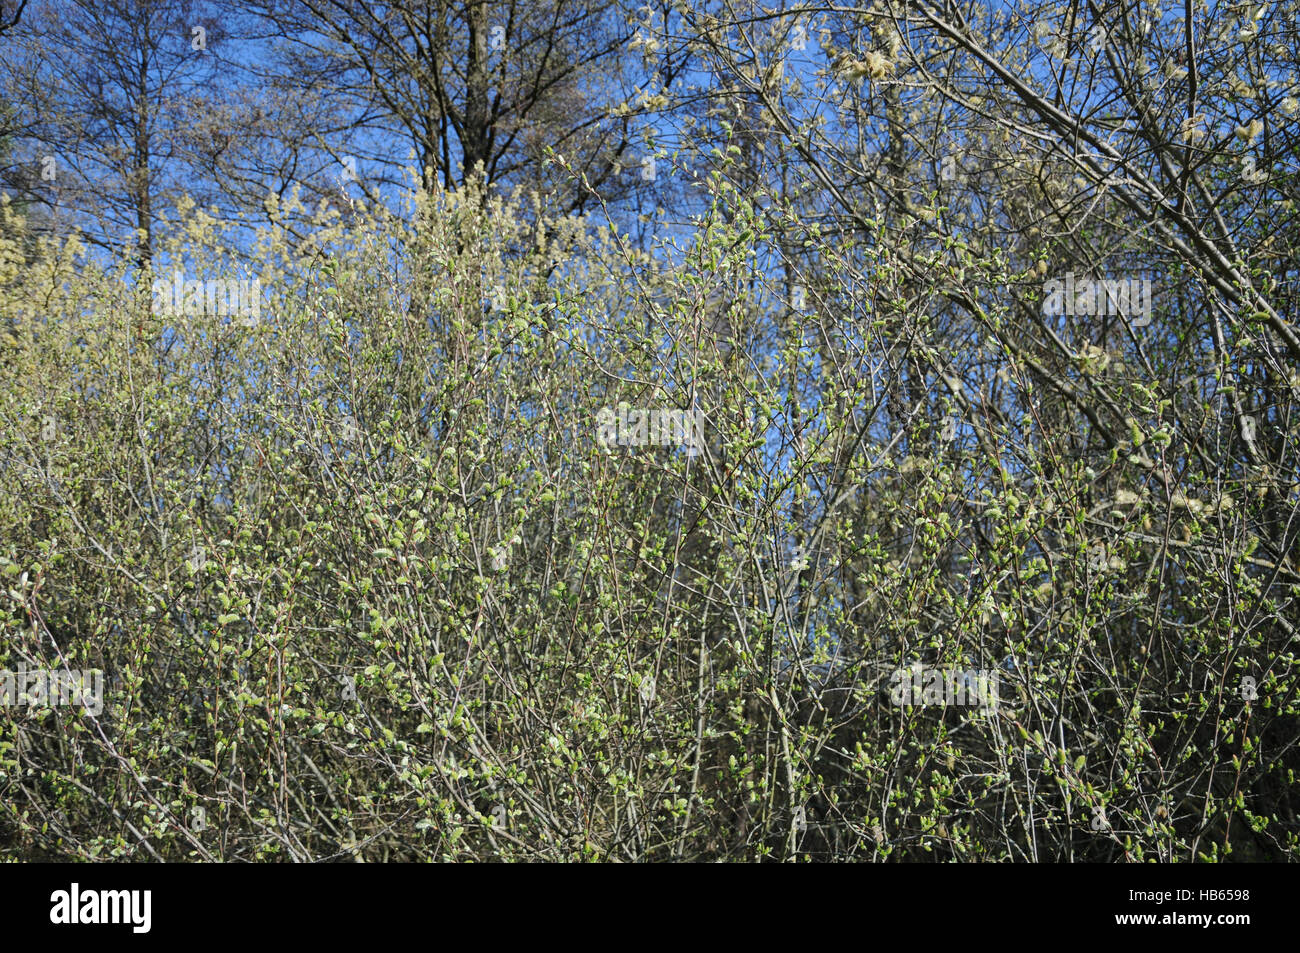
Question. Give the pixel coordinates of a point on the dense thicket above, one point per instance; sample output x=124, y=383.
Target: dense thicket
x=365, y=581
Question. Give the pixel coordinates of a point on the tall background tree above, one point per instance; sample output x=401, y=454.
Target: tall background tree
x=105, y=93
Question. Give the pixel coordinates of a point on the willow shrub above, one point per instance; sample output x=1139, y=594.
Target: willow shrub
x=364, y=584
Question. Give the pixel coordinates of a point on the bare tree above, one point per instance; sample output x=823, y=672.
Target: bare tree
x=103, y=91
